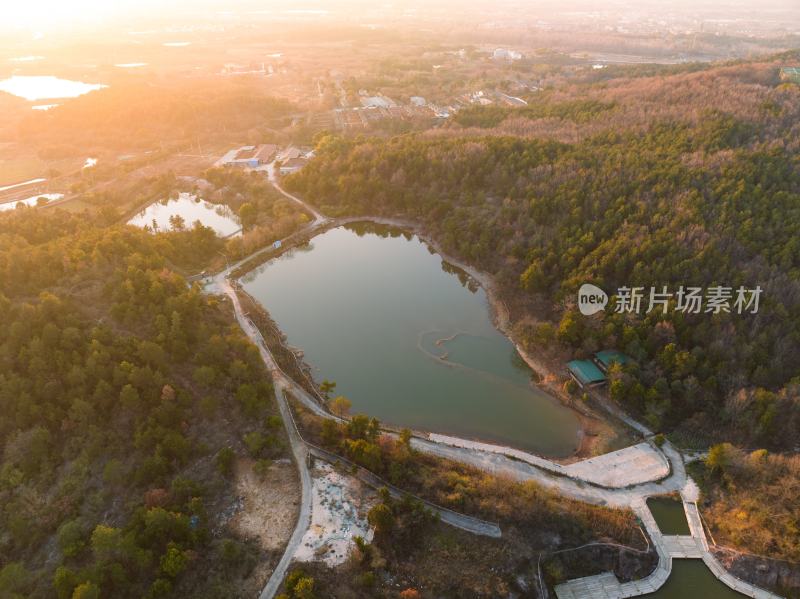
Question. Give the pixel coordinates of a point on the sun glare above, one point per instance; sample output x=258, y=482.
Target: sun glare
x=53, y=14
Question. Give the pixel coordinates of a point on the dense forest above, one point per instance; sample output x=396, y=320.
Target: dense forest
x=710, y=199
x=114, y=379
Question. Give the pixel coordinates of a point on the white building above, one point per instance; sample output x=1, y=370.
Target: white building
x=506, y=54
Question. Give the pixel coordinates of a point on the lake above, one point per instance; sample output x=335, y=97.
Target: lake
x=691, y=578
x=408, y=339
x=41, y=87
x=220, y=218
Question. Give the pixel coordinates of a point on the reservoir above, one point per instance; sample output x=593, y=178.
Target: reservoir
x=408, y=339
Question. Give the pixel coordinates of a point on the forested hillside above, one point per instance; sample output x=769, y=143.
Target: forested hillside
x=621, y=193
x=133, y=116
x=125, y=395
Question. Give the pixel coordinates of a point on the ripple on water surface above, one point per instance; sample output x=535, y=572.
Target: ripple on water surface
x=407, y=339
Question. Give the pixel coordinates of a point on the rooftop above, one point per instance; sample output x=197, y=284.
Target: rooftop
x=607, y=356
x=586, y=372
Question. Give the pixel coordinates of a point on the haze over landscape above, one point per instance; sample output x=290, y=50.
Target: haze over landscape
x=399, y=300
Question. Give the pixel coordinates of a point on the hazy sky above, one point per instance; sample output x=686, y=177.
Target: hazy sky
x=47, y=15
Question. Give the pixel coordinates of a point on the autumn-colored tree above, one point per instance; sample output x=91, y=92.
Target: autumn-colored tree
x=340, y=406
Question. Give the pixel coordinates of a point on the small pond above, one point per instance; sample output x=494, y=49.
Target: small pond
x=37, y=200
x=691, y=579
x=669, y=515
x=189, y=208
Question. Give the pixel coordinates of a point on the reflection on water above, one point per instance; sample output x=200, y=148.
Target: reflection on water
x=190, y=209
x=376, y=310
x=37, y=200
x=40, y=87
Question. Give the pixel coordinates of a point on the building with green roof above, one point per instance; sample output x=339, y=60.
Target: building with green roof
x=586, y=373
x=790, y=74
x=605, y=358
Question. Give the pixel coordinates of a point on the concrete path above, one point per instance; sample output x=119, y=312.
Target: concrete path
x=668, y=547
x=318, y=216
x=622, y=479
x=622, y=468
x=299, y=450
x=304, y=518
x=682, y=546
x=607, y=586
x=625, y=467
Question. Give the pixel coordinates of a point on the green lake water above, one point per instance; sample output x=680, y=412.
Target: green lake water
x=691, y=579
x=669, y=515
x=408, y=339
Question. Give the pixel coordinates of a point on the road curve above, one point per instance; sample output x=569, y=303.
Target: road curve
x=299, y=450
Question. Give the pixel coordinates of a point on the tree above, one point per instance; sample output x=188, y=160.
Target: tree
x=330, y=432
x=86, y=590
x=174, y=561
x=225, y=459
x=106, y=540
x=327, y=387
x=341, y=406
x=300, y=585
x=381, y=517
x=14, y=578
x=405, y=440
x=720, y=457
x=247, y=215
x=64, y=582
x=304, y=589
x=205, y=376
x=255, y=443
x=177, y=222
x=71, y=538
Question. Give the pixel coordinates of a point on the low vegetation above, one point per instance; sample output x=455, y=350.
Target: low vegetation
x=750, y=500
x=534, y=520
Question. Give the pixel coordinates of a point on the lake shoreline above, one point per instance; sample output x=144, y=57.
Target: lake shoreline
x=547, y=375
x=586, y=443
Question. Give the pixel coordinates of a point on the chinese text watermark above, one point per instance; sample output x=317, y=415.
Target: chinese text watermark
x=687, y=300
